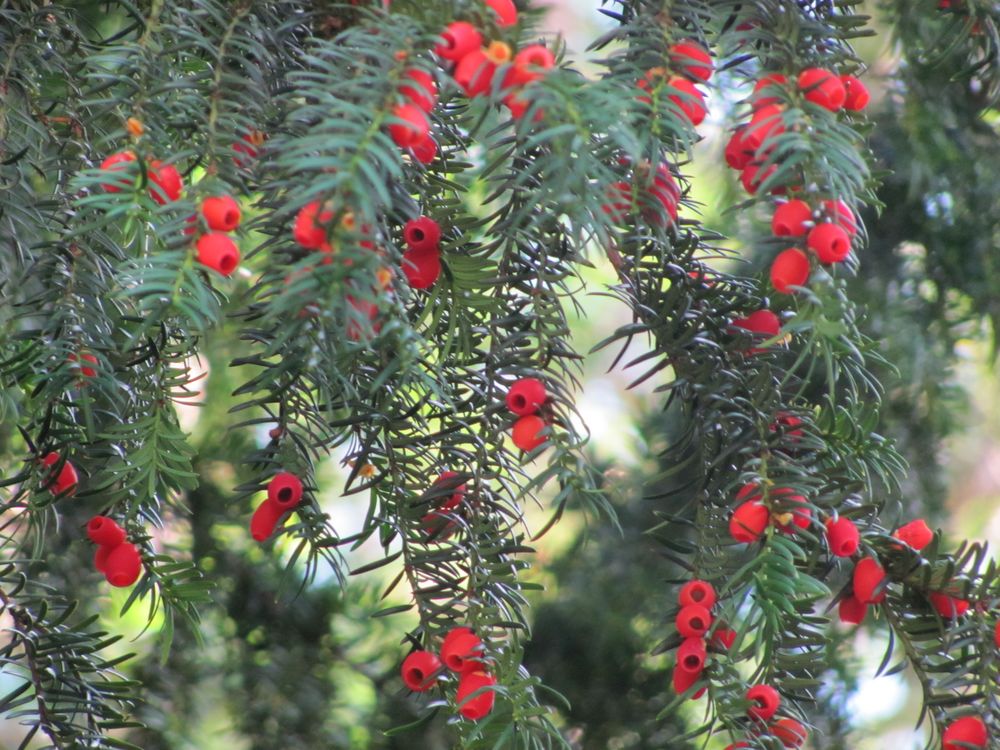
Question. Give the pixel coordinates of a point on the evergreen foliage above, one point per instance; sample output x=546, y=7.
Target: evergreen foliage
x=288, y=103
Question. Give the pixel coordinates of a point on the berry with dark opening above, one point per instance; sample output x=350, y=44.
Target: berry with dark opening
x=419, y=670
x=789, y=269
x=691, y=655
x=697, y=592
x=830, y=242
x=221, y=212
x=764, y=701
x=462, y=650
x=218, y=252
x=422, y=233
x=284, y=490
x=842, y=536
x=526, y=396
x=790, y=219
x=693, y=621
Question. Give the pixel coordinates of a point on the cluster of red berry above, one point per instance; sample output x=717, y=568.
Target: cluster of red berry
x=462, y=653
x=764, y=704
x=694, y=619
x=691, y=64
x=117, y=558
x=284, y=493
x=526, y=398
x=444, y=486
x=215, y=248
x=752, y=517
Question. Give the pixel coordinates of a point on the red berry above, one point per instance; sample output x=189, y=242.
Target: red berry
x=167, y=183
x=857, y=93
x=724, y=638
x=752, y=178
x=688, y=99
x=738, y=153
x=422, y=233
x=763, y=322
x=101, y=558
x=683, y=680
x=87, y=372
x=619, y=203
x=830, y=242
x=218, y=252
x=996, y=634
x=458, y=39
x=419, y=669
x=667, y=194
x=840, y=213
x=693, y=59
x=749, y=521
x=526, y=396
x=916, y=533
x=309, y=229
x=767, y=123
x=530, y=64
x=851, y=610
x=842, y=536
x=420, y=88
x=411, y=127
x=249, y=144
x=422, y=267
x=790, y=732
x=462, y=650
x=801, y=513
x=425, y=151
x=790, y=219
x=66, y=480
x=789, y=269
x=118, y=163
x=764, y=90
x=458, y=493
x=506, y=11
x=697, y=592
x=362, y=317
x=868, y=577
x=123, y=565
x=471, y=706
x=947, y=606
x=527, y=433
x=693, y=621
x=222, y=213
x=518, y=104
x=691, y=655
x=264, y=519
x=788, y=423
x=969, y=729
x=764, y=701
x=474, y=73
x=823, y=88
x=105, y=532
x=737, y=746
x=284, y=490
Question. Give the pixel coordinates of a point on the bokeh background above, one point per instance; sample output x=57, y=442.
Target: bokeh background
x=279, y=665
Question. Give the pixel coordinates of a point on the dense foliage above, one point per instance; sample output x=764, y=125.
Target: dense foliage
x=124, y=301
